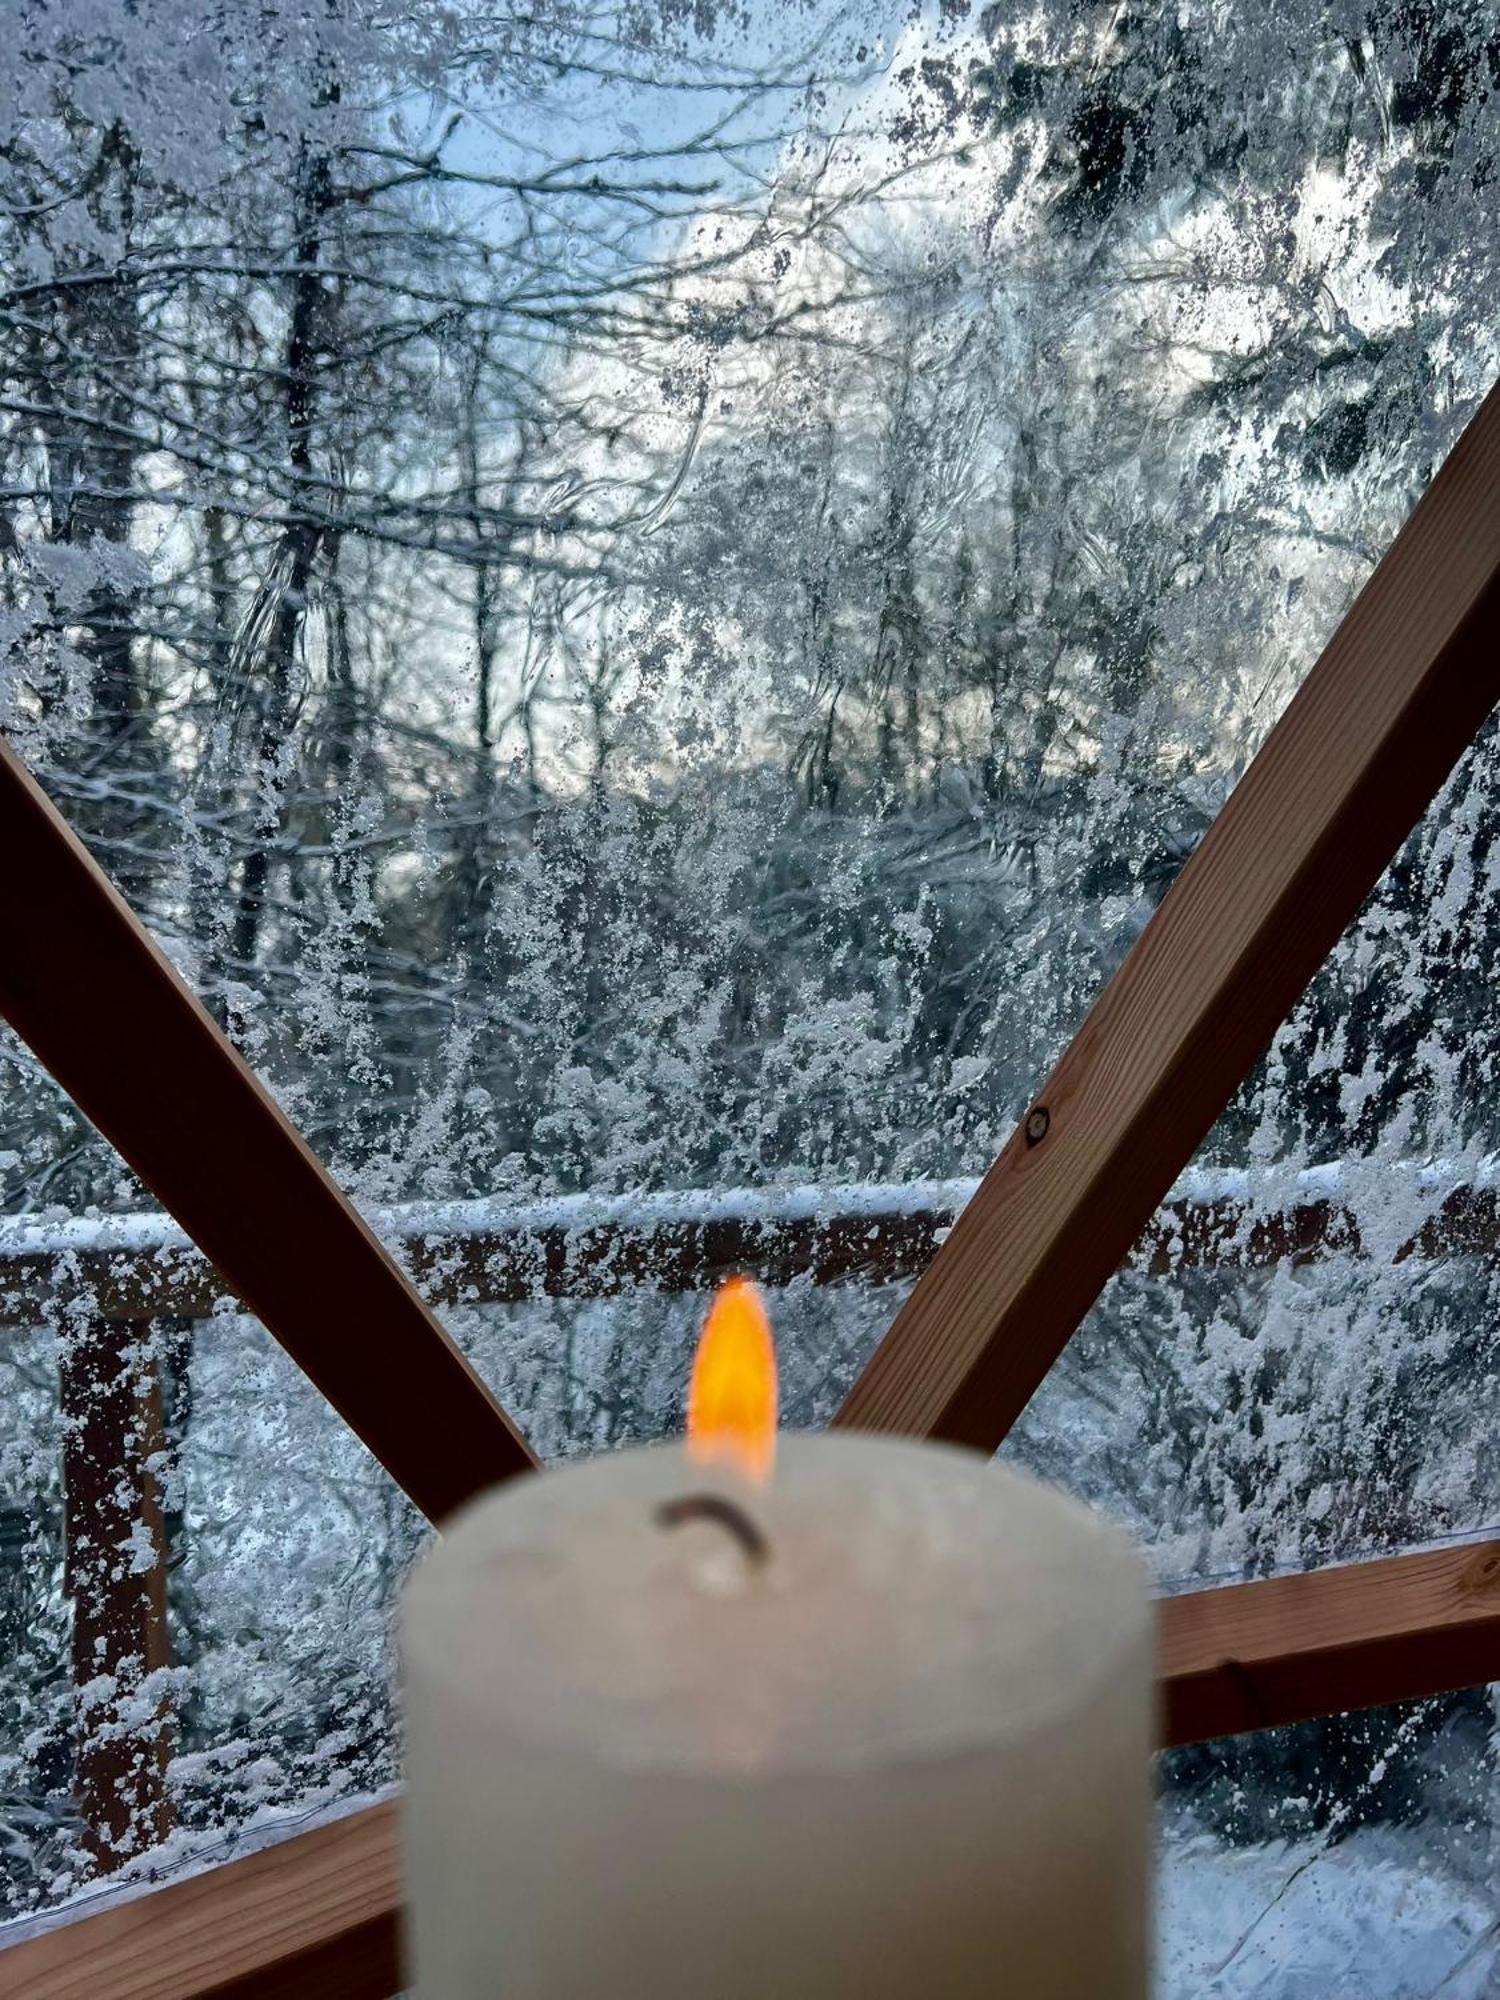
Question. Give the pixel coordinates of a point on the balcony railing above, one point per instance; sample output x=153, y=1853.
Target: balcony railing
x=144, y=1267
x=133, y=1271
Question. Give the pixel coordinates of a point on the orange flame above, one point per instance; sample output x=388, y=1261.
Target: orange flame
x=732, y=1395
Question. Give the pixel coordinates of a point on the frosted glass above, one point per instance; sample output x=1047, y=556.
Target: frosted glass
x=647, y=601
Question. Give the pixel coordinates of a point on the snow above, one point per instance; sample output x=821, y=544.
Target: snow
x=1369, y=1919
x=1259, y=1190
x=148, y=1230
x=902, y=529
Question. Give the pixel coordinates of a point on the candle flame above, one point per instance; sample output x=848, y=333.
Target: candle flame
x=732, y=1395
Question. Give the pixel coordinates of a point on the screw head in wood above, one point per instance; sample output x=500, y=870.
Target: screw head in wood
x=1037, y=1121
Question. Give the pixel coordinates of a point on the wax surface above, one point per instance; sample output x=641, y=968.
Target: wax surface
x=907, y=1751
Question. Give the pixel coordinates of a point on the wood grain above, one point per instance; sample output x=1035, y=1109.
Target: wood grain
x=1252, y=1655
x=318, y=1914
x=109, y=1016
x=1359, y=754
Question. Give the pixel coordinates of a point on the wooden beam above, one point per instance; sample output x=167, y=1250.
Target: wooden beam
x=1401, y=690
x=1257, y=1655
x=107, y=1013
x=317, y=1914
x=116, y=1577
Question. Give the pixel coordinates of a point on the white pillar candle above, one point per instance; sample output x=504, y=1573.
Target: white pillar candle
x=904, y=1753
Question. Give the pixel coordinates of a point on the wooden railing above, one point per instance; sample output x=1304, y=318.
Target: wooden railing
x=135, y=1268
x=139, y=1273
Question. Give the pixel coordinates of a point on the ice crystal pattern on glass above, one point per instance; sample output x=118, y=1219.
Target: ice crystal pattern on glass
x=646, y=599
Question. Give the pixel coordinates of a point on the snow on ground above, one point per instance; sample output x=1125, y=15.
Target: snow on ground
x=1370, y=1919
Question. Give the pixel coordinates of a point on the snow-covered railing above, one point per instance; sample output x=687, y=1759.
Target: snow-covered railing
x=142, y=1266
x=481, y=1252
x=106, y=1278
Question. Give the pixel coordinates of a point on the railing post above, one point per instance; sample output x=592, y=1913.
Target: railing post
x=116, y=1576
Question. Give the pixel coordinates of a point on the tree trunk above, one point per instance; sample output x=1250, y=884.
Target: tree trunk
x=291, y=571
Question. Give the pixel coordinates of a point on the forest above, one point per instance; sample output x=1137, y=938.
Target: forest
x=646, y=598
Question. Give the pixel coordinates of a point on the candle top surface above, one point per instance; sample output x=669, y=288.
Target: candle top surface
x=911, y=1601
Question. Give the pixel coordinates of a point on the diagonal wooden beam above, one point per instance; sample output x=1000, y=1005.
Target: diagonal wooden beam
x=320, y=1913
x=1363, y=748
x=82, y=982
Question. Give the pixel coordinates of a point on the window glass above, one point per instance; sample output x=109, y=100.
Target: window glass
x=1352, y=1855
x=646, y=599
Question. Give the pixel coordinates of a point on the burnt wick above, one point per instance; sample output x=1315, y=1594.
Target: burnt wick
x=715, y=1507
